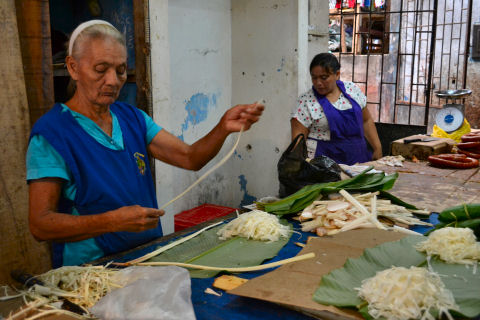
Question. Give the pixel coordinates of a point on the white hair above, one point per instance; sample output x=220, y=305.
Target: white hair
x=93, y=29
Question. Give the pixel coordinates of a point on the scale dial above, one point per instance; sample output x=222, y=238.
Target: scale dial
x=449, y=119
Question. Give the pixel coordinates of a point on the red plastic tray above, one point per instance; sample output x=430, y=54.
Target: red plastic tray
x=197, y=215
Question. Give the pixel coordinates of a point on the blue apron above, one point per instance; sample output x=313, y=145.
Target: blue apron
x=347, y=141
x=106, y=179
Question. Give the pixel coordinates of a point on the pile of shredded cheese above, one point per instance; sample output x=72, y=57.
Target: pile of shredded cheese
x=399, y=293
x=256, y=225
x=452, y=245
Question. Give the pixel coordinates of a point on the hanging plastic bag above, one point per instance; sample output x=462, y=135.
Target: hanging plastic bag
x=295, y=172
x=149, y=293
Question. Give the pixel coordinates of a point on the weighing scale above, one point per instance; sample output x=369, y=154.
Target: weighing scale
x=450, y=117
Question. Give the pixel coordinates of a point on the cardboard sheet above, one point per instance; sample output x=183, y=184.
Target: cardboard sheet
x=293, y=285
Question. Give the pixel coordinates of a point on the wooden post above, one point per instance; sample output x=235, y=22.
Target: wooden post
x=18, y=249
x=142, y=52
x=36, y=52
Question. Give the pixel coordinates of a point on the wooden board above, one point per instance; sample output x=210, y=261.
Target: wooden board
x=18, y=249
x=421, y=150
x=36, y=49
x=293, y=285
x=427, y=192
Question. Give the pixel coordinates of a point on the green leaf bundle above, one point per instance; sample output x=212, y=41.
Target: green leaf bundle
x=460, y=216
x=363, y=182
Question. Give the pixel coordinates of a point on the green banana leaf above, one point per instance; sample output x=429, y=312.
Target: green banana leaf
x=395, y=200
x=338, y=287
x=207, y=249
x=363, y=182
x=303, y=197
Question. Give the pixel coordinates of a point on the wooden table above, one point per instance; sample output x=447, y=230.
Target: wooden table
x=433, y=188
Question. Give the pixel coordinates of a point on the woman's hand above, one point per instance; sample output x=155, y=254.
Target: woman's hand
x=135, y=218
x=377, y=154
x=47, y=224
x=242, y=115
x=371, y=134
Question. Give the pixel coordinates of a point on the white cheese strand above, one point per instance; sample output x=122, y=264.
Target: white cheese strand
x=256, y=225
x=399, y=293
x=452, y=245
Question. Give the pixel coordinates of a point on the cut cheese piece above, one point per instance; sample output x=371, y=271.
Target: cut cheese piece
x=227, y=282
x=452, y=245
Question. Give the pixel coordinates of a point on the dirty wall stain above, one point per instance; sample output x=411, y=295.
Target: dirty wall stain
x=247, y=198
x=238, y=155
x=282, y=64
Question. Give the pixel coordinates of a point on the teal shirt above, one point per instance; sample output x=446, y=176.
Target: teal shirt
x=44, y=161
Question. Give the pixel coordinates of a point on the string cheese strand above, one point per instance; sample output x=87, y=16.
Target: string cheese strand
x=237, y=269
x=166, y=247
x=227, y=156
x=173, y=244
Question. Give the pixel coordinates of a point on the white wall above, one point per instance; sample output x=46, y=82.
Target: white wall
x=318, y=12
x=212, y=54
x=197, y=94
x=265, y=59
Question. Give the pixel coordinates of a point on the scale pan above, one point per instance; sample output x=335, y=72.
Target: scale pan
x=453, y=94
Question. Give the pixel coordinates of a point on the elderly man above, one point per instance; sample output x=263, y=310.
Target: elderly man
x=91, y=190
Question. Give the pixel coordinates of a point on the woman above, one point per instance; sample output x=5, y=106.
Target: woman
x=90, y=185
x=334, y=117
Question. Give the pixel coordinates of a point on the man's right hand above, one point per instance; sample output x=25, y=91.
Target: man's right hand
x=135, y=218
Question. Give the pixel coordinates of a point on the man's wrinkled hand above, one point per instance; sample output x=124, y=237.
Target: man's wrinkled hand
x=242, y=116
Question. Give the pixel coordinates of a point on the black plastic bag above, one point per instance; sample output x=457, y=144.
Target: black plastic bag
x=294, y=172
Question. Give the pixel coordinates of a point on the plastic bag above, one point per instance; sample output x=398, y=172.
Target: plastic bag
x=455, y=135
x=149, y=293
x=295, y=172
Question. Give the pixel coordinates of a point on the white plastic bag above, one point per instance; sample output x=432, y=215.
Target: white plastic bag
x=149, y=293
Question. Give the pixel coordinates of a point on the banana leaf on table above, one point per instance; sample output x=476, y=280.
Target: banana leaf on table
x=363, y=182
x=208, y=250
x=338, y=287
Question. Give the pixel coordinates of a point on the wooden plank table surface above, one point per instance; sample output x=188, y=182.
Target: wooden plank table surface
x=433, y=188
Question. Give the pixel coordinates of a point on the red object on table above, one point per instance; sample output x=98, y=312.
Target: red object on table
x=197, y=215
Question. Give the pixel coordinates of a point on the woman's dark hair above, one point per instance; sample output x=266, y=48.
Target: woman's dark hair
x=327, y=61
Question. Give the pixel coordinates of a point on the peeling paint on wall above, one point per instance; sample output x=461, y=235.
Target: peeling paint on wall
x=247, y=198
x=197, y=108
x=238, y=155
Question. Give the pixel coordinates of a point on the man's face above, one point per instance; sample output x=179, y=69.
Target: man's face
x=101, y=71
x=323, y=81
